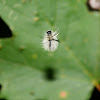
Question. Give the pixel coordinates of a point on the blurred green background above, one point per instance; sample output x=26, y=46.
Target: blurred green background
x=27, y=72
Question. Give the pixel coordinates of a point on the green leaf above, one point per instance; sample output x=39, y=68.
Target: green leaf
x=26, y=69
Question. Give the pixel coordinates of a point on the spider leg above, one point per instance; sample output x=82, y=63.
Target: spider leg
x=56, y=40
x=55, y=34
x=43, y=41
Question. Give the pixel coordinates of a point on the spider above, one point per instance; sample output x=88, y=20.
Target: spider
x=50, y=41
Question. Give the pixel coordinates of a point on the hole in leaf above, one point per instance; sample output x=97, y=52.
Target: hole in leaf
x=93, y=5
x=95, y=95
x=3, y=99
x=50, y=74
x=0, y=87
x=5, y=31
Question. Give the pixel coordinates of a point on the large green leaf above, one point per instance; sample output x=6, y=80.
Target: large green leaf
x=25, y=66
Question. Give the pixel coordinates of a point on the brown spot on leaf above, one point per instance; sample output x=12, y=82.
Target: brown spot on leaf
x=23, y=1
x=34, y=56
x=97, y=85
x=63, y=94
x=21, y=48
x=0, y=46
x=36, y=19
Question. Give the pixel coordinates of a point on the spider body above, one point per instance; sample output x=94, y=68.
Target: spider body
x=50, y=41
